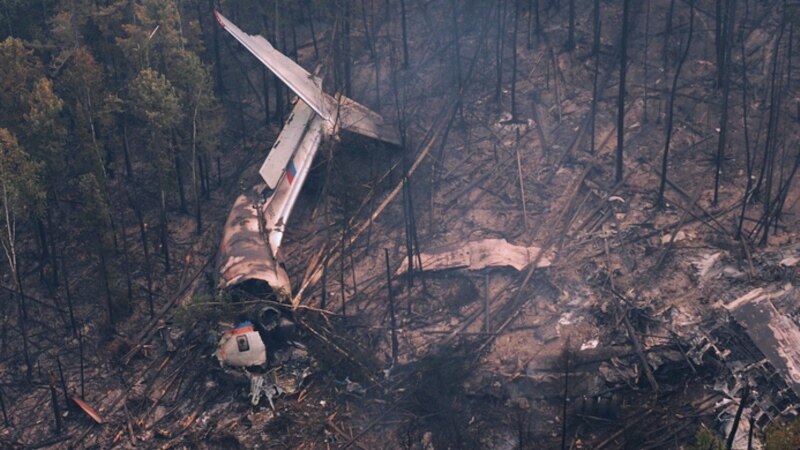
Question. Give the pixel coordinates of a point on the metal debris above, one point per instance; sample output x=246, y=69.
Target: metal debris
x=481, y=254
x=775, y=334
x=260, y=386
x=352, y=387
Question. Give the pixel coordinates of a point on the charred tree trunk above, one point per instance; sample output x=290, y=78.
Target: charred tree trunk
x=500, y=47
x=392, y=317
x=123, y=129
x=68, y=294
x=23, y=318
x=718, y=38
x=41, y=243
x=670, y=110
x=571, y=34
x=195, y=191
x=179, y=175
x=623, y=63
x=596, y=52
x=645, y=64
x=265, y=89
x=148, y=271
x=240, y=110
x=725, y=79
x=53, y=256
x=163, y=227
x=311, y=26
x=749, y=160
x=293, y=22
x=127, y=262
x=106, y=285
x=276, y=81
x=668, y=35
x=217, y=58
x=405, y=31
x=456, y=42
x=529, y=29
x=768, y=163
x=514, y=118
x=347, y=57
x=370, y=38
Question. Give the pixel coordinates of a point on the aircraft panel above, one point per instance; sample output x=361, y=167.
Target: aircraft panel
x=279, y=205
x=287, y=143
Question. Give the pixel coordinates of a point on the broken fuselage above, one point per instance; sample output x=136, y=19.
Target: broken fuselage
x=249, y=255
x=249, y=252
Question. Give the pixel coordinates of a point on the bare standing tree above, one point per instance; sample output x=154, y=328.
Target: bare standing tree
x=404, y=26
x=749, y=160
x=670, y=110
x=644, y=57
x=623, y=63
x=514, y=117
x=667, y=35
x=500, y=49
x=571, y=38
x=596, y=51
x=725, y=79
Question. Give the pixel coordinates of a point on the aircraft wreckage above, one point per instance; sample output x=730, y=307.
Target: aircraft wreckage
x=250, y=256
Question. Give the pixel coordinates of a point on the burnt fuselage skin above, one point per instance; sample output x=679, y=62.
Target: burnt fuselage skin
x=245, y=257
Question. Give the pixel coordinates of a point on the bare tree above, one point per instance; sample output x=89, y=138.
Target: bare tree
x=770, y=146
x=645, y=64
x=514, y=117
x=571, y=38
x=670, y=109
x=596, y=51
x=500, y=49
x=749, y=160
x=667, y=35
x=623, y=63
x=726, y=88
x=404, y=26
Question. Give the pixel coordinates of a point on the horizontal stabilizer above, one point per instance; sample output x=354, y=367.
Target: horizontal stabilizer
x=357, y=118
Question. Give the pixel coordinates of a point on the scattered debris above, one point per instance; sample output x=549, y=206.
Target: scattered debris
x=775, y=334
x=259, y=385
x=352, y=387
x=616, y=198
x=790, y=261
x=477, y=255
x=667, y=238
x=590, y=344
x=705, y=263
x=91, y=412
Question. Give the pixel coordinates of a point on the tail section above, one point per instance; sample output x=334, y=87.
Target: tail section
x=306, y=86
x=339, y=112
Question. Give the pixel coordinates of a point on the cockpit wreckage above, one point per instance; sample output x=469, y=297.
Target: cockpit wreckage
x=250, y=255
